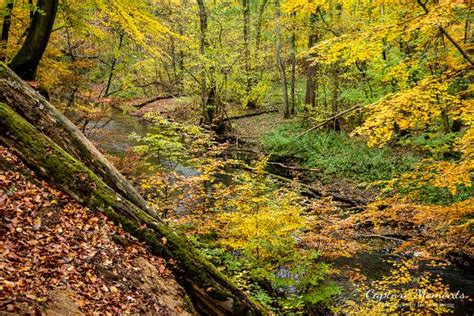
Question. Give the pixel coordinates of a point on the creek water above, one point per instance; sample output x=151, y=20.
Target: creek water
x=112, y=135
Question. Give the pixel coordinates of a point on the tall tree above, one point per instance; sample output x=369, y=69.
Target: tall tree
x=310, y=95
x=280, y=62
x=26, y=61
x=113, y=64
x=202, y=52
x=248, y=80
x=293, y=65
x=6, y=29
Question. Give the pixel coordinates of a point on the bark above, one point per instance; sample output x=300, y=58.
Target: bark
x=26, y=61
x=335, y=99
x=181, y=30
x=32, y=11
x=258, y=28
x=211, y=292
x=467, y=24
x=280, y=62
x=202, y=52
x=249, y=115
x=28, y=103
x=332, y=118
x=174, y=63
x=310, y=95
x=246, y=30
x=448, y=36
x=113, y=64
x=293, y=66
x=151, y=100
x=6, y=29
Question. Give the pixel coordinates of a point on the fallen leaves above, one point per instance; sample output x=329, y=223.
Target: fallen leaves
x=49, y=241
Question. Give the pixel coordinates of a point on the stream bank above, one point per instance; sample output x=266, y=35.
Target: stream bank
x=372, y=264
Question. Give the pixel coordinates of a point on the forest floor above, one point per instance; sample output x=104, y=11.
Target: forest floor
x=247, y=134
x=354, y=251
x=60, y=258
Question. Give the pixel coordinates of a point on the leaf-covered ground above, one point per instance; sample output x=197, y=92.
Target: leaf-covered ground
x=58, y=257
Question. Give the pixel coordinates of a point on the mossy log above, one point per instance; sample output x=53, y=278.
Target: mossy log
x=211, y=292
x=27, y=102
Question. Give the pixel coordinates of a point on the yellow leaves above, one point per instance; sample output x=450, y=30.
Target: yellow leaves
x=135, y=19
x=451, y=175
x=401, y=292
x=413, y=110
x=444, y=228
x=303, y=6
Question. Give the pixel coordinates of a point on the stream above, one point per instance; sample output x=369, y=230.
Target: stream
x=111, y=135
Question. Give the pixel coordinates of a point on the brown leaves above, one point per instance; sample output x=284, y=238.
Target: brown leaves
x=48, y=241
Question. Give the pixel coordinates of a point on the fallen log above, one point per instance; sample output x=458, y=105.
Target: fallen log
x=154, y=99
x=294, y=168
x=356, y=107
x=24, y=100
x=314, y=192
x=236, y=117
x=211, y=292
x=381, y=237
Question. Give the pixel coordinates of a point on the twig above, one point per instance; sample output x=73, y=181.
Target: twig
x=381, y=237
x=443, y=30
x=140, y=105
x=356, y=107
x=296, y=168
x=249, y=115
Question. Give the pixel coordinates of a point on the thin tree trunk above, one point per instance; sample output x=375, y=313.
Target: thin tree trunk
x=310, y=94
x=279, y=61
x=293, y=67
x=113, y=64
x=174, y=63
x=335, y=98
x=26, y=61
x=32, y=11
x=258, y=36
x=258, y=27
x=467, y=25
x=181, y=30
x=6, y=30
x=202, y=51
x=448, y=36
x=246, y=30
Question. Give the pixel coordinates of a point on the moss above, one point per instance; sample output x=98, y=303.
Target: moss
x=3, y=69
x=72, y=176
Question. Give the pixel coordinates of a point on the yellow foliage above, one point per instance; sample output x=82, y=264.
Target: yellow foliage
x=402, y=292
x=413, y=110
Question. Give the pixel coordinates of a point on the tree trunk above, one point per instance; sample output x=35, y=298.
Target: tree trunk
x=113, y=64
x=293, y=66
x=258, y=38
x=6, y=29
x=26, y=61
x=32, y=11
x=210, y=290
x=258, y=28
x=202, y=52
x=310, y=95
x=28, y=103
x=279, y=61
x=335, y=99
x=248, y=80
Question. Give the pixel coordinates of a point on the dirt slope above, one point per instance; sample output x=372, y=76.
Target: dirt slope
x=60, y=258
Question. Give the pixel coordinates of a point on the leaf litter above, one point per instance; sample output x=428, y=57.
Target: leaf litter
x=50, y=243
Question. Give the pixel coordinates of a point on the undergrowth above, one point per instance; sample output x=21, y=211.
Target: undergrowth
x=337, y=155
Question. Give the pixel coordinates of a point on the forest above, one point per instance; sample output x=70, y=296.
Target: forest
x=249, y=157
